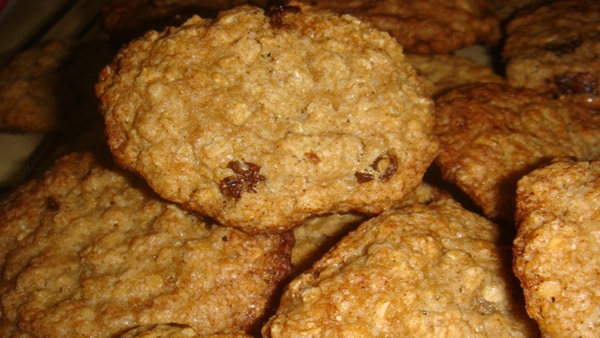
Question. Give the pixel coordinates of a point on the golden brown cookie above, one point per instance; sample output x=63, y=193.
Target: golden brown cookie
x=416, y=271
x=89, y=250
x=426, y=26
x=557, y=249
x=447, y=71
x=35, y=88
x=493, y=134
x=263, y=119
x=556, y=49
x=50, y=87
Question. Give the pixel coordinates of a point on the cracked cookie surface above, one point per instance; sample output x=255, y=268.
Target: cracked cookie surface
x=556, y=250
x=91, y=247
x=260, y=119
x=493, y=134
x=420, y=270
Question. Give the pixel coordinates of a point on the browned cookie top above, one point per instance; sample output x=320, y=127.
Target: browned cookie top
x=262, y=119
x=35, y=88
x=89, y=250
x=556, y=49
x=418, y=271
x=492, y=134
x=557, y=248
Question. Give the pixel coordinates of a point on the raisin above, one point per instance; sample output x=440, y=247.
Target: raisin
x=576, y=83
x=363, y=177
x=246, y=177
x=386, y=166
x=52, y=204
x=312, y=157
x=563, y=47
x=277, y=13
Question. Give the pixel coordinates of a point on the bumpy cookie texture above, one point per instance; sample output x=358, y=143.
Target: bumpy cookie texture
x=416, y=271
x=318, y=234
x=557, y=250
x=556, y=49
x=175, y=331
x=447, y=71
x=425, y=27
x=492, y=134
x=262, y=119
x=89, y=250
x=35, y=92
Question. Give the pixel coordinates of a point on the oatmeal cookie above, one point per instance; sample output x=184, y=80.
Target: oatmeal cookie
x=175, y=331
x=414, y=271
x=89, y=250
x=556, y=49
x=447, y=71
x=35, y=92
x=426, y=26
x=262, y=119
x=493, y=134
x=50, y=87
x=557, y=251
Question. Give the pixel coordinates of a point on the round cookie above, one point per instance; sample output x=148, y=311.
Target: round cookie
x=557, y=251
x=492, y=134
x=49, y=87
x=556, y=49
x=419, y=271
x=35, y=90
x=262, y=119
x=89, y=250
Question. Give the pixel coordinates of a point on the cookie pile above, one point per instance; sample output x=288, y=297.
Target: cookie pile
x=322, y=168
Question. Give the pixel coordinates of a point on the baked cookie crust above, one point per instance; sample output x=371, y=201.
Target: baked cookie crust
x=556, y=49
x=493, y=134
x=36, y=94
x=417, y=271
x=262, y=119
x=89, y=250
x=557, y=251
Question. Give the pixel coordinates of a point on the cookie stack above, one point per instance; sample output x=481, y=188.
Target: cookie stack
x=321, y=168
